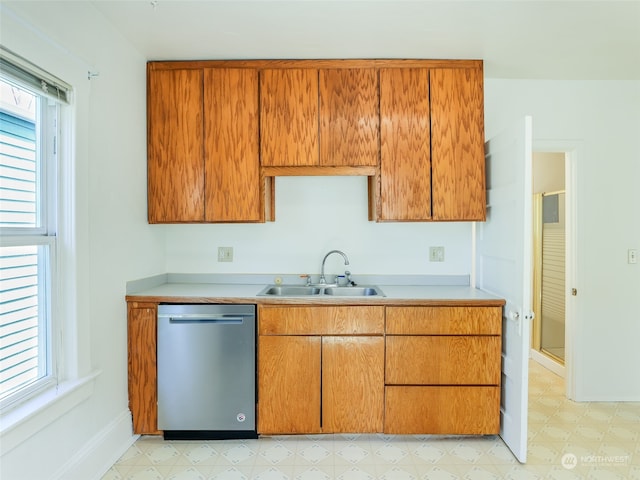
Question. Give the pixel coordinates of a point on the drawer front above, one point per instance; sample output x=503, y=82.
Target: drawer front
x=320, y=320
x=442, y=360
x=442, y=410
x=444, y=320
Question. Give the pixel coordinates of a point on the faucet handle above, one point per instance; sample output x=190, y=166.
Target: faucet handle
x=308, y=277
x=347, y=274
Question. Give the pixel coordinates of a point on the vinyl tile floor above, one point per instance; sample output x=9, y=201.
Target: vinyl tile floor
x=567, y=440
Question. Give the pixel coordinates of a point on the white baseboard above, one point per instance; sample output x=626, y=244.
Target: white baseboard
x=548, y=363
x=101, y=452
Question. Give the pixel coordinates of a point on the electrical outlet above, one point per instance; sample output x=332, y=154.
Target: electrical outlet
x=436, y=254
x=225, y=254
x=632, y=255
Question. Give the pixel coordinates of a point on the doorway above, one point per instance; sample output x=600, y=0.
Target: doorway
x=548, y=337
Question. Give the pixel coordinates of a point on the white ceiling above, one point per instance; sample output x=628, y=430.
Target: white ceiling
x=516, y=39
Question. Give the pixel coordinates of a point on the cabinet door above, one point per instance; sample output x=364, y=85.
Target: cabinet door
x=288, y=384
x=289, y=117
x=414, y=320
x=405, y=161
x=175, y=156
x=349, y=131
x=467, y=410
x=143, y=400
x=352, y=384
x=457, y=144
x=443, y=360
x=321, y=320
x=232, y=165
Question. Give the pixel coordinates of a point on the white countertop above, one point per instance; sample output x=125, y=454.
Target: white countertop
x=231, y=289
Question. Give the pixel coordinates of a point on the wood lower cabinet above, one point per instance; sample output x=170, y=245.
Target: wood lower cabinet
x=443, y=370
x=142, y=366
x=289, y=384
x=352, y=384
x=447, y=410
x=316, y=375
x=354, y=369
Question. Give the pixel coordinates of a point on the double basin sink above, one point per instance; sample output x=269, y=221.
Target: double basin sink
x=319, y=290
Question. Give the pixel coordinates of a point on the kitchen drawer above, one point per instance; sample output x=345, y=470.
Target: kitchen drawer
x=320, y=320
x=442, y=360
x=444, y=320
x=442, y=410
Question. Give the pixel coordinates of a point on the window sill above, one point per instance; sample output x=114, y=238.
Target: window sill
x=33, y=415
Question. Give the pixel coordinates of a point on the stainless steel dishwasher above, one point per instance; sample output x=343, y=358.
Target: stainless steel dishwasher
x=207, y=371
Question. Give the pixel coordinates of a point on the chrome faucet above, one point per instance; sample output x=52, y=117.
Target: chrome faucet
x=323, y=280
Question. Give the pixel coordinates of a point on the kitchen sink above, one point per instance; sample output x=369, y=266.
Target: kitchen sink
x=353, y=291
x=289, y=290
x=315, y=291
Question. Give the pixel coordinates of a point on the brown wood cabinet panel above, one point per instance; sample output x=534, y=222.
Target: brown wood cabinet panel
x=289, y=384
x=320, y=320
x=352, y=384
x=289, y=117
x=232, y=164
x=405, y=159
x=175, y=149
x=444, y=320
x=349, y=119
x=141, y=336
x=442, y=410
x=457, y=144
x=443, y=360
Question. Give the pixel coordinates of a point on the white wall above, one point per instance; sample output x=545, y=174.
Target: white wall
x=112, y=241
x=315, y=215
x=601, y=120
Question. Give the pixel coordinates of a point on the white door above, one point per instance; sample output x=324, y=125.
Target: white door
x=504, y=263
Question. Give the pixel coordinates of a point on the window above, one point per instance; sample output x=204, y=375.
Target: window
x=29, y=112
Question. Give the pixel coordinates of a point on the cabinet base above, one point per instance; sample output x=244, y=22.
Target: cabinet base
x=209, y=434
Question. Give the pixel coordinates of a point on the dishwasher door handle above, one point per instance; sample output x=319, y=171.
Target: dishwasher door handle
x=219, y=319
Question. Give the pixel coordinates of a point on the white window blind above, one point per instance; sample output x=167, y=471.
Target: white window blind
x=28, y=166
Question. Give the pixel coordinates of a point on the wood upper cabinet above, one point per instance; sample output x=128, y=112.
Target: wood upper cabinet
x=323, y=373
x=319, y=117
x=220, y=131
x=349, y=118
x=203, y=163
x=457, y=144
x=289, y=117
x=175, y=166
x=405, y=157
x=432, y=144
x=232, y=166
